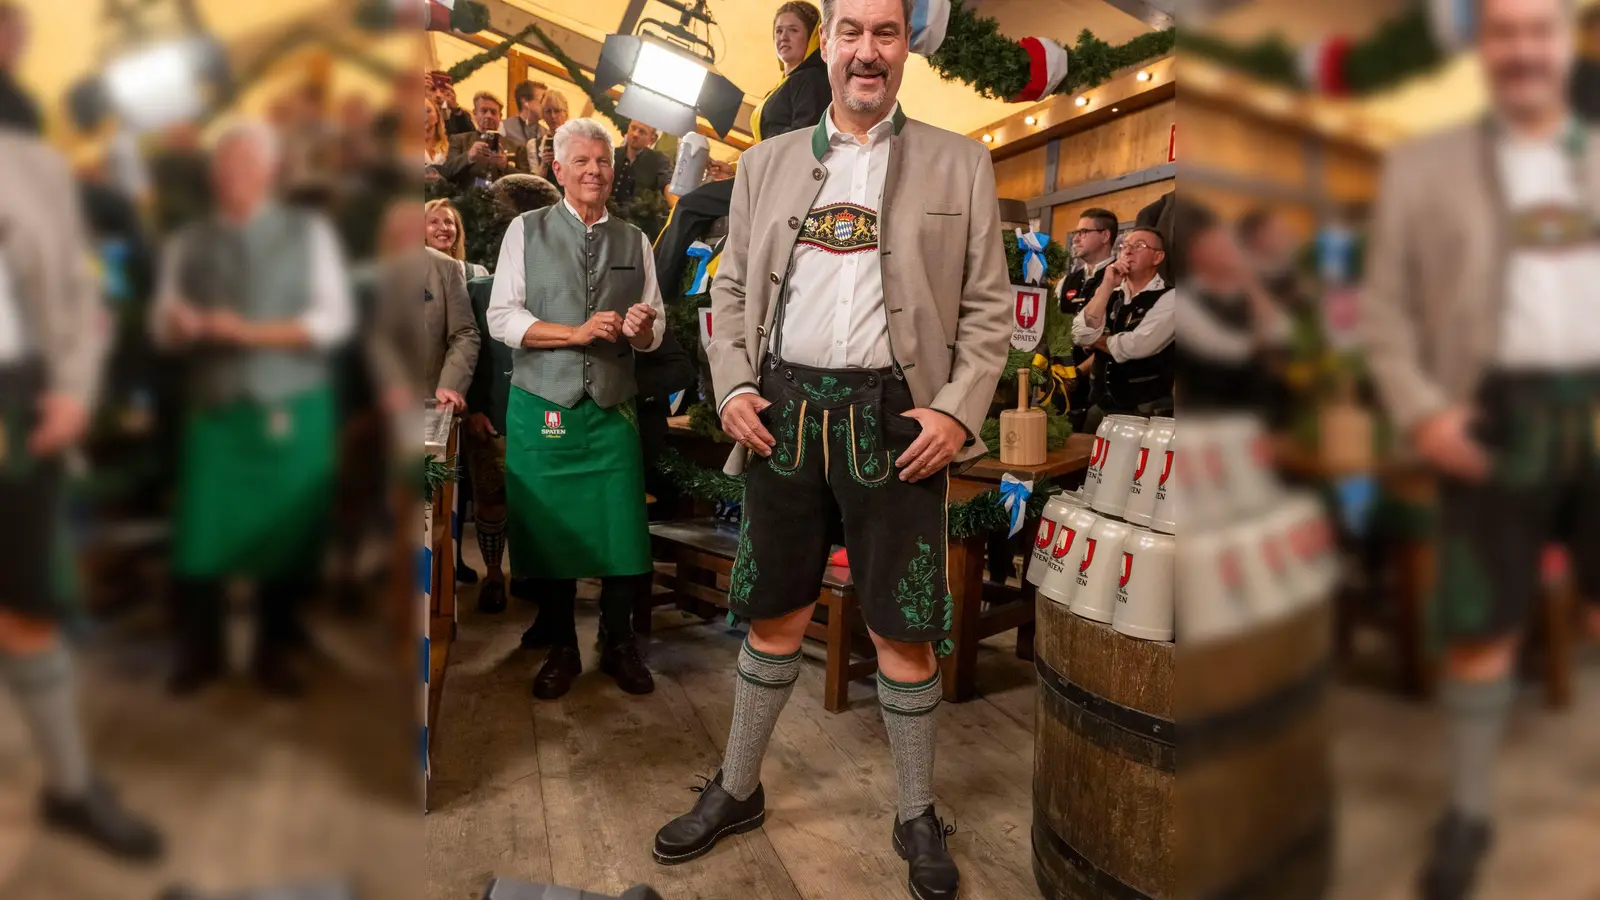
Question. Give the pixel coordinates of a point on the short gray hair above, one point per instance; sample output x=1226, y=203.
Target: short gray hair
x=830, y=6
x=255, y=131
x=580, y=130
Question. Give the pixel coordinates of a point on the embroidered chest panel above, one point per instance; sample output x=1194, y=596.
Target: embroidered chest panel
x=841, y=228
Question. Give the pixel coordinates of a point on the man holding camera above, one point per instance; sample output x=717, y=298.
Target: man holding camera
x=479, y=157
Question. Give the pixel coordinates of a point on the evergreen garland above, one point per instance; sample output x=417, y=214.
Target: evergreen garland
x=976, y=52
x=603, y=103
x=466, y=67
x=983, y=514
x=435, y=473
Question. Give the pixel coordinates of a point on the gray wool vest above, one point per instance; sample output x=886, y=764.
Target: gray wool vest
x=571, y=275
x=260, y=271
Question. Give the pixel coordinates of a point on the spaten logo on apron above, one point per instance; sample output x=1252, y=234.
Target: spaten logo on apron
x=552, y=424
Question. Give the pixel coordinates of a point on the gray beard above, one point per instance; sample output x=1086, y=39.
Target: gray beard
x=868, y=105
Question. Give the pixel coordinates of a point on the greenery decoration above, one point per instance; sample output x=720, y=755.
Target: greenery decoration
x=603, y=103
x=1399, y=49
x=436, y=472
x=1056, y=258
x=983, y=514
x=646, y=210
x=466, y=67
x=704, y=421
x=977, y=53
x=1057, y=344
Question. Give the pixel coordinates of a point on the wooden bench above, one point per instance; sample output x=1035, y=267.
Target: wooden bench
x=702, y=551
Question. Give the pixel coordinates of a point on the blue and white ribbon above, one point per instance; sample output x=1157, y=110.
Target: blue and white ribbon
x=701, y=253
x=929, y=20
x=674, y=401
x=1357, y=494
x=1033, y=264
x=1014, y=494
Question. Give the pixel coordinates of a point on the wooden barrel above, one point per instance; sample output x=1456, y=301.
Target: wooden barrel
x=1162, y=774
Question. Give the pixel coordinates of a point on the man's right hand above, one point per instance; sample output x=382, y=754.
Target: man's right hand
x=1445, y=441
x=479, y=426
x=478, y=151
x=741, y=420
x=603, y=326
x=1116, y=274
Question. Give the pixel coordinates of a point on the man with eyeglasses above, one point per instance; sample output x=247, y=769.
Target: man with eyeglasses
x=1130, y=322
x=1093, y=246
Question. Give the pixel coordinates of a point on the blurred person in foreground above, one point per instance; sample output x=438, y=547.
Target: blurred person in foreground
x=574, y=296
x=484, y=431
x=851, y=412
x=1229, y=326
x=256, y=295
x=52, y=348
x=1130, y=323
x=1094, y=250
x=1269, y=250
x=1481, y=318
x=17, y=109
x=477, y=158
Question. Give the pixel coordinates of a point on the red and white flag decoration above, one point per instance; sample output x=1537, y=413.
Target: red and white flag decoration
x=436, y=14
x=929, y=19
x=1047, y=65
x=1322, y=65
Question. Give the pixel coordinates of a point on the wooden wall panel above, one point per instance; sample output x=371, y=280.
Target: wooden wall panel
x=1021, y=177
x=1351, y=175
x=1125, y=144
x=1215, y=137
x=1299, y=218
x=1126, y=204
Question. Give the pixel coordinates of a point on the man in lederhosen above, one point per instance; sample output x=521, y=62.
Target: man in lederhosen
x=1130, y=323
x=1094, y=248
x=52, y=346
x=1481, y=318
x=257, y=296
x=862, y=305
x=575, y=295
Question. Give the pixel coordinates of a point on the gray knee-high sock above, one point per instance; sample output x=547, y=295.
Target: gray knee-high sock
x=43, y=686
x=762, y=688
x=1478, y=712
x=908, y=715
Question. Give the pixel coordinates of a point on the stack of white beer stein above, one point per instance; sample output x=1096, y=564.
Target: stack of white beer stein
x=1107, y=552
x=1251, y=551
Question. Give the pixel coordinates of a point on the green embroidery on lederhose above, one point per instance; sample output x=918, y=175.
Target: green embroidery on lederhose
x=829, y=390
x=916, y=595
x=867, y=466
x=782, y=455
x=742, y=578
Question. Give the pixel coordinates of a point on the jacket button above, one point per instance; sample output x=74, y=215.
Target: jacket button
x=816, y=174
x=794, y=222
x=788, y=374
x=773, y=277
x=761, y=331
x=872, y=381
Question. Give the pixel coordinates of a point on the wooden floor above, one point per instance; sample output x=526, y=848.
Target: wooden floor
x=249, y=792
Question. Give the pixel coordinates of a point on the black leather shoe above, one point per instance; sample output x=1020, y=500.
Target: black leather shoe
x=1459, y=846
x=623, y=663
x=492, y=597
x=556, y=675
x=715, y=815
x=921, y=843
x=465, y=574
x=99, y=818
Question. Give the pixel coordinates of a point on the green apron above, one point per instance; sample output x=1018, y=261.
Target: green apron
x=256, y=489
x=574, y=490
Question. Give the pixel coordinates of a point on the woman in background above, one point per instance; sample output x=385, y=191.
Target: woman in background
x=803, y=93
x=435, y=145
x=447, y=234
x=556, y=113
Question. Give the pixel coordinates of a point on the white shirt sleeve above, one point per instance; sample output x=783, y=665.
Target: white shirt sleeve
x=747, y=389
x=508, y=316
x=1154, y=333
x=330, y=317
x=1082, y=334
x=652, y=296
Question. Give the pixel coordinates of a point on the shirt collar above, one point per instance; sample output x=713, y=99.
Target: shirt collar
x=1156, y=284
x=822, y=136
x=574, y=213
x=1098, y=267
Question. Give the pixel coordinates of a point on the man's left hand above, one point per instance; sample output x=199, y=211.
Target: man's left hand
x=639, y=323
x=450, y=399
x=942, y=437
x=62, y=421
x=1100, y=344
x=224, y=326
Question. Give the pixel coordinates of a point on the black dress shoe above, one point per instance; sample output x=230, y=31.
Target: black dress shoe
x=1459, y=846
x=715, y=815
x=492, y=597
x=623, y=663
x=556, y=675
x=465, y=574
x=99, y=818
x=921, y=843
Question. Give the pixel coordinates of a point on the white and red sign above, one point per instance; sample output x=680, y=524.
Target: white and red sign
x=705, y=326
x=1028, y=311
x=552, y=424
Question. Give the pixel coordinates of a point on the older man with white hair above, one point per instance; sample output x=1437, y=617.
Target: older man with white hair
x=257, y=296
x=575, y=295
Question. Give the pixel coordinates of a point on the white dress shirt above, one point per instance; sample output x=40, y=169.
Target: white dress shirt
x=833, y=315
x=1552, y=313
x=508, y=316
x=1150, y=337
x=1203, y=334
x=13, y=343
x=330, y=315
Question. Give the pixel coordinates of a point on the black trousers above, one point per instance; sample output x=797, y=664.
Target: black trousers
x=198, y=616
x=558, y=600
